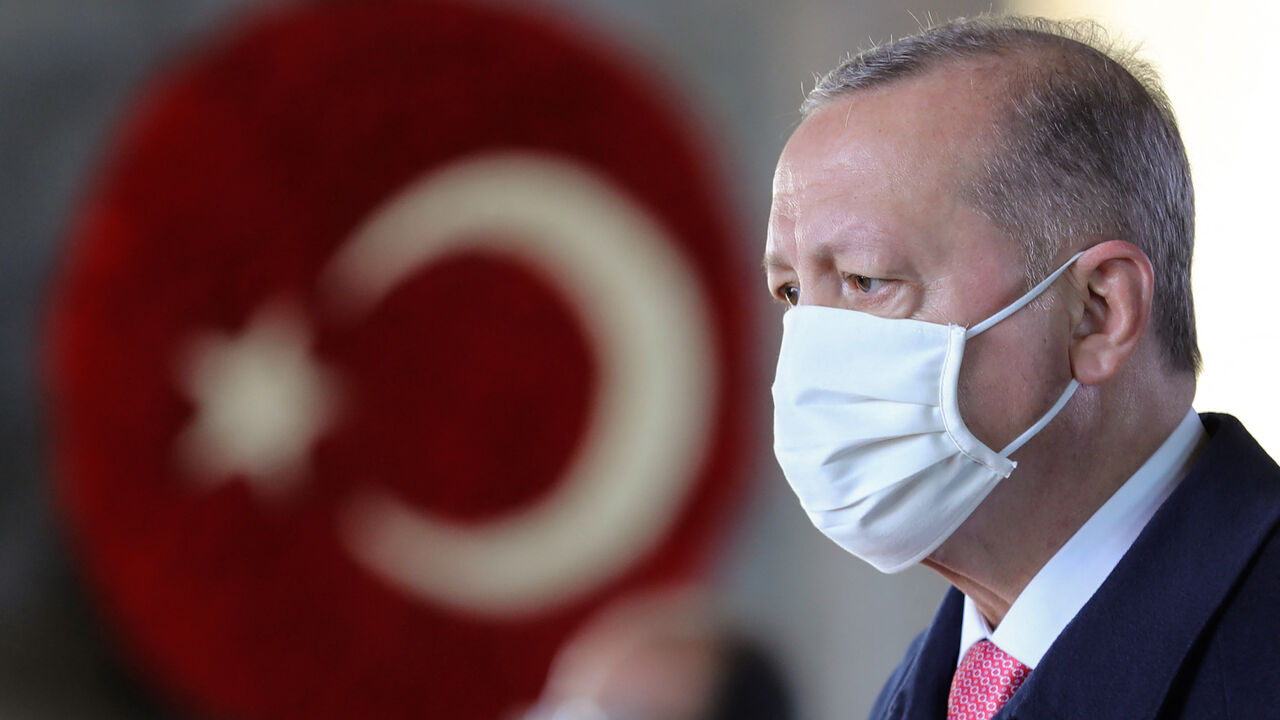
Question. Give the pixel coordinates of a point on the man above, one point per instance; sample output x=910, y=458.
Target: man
x=1008, y=213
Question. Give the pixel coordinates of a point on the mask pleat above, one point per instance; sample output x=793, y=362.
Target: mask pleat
x=920, y=495
x=849, y=478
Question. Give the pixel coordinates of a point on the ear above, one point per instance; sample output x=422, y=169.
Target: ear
x=1114, y=282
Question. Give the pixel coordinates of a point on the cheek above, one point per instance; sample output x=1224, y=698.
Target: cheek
x=1011, y=375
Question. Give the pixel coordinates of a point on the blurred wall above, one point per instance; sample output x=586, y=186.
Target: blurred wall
x=67, y=71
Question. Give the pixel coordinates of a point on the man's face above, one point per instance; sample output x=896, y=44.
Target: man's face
x=867, y=215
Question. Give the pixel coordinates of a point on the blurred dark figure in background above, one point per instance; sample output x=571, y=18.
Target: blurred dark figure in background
x=662, y=657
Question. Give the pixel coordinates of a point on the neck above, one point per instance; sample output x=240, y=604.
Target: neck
x=1063, y=476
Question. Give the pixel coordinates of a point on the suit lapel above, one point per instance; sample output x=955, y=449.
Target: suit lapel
x=1120, y=655
x=925, y=677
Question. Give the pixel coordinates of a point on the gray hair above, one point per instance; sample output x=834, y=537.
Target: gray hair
x=1084, y=147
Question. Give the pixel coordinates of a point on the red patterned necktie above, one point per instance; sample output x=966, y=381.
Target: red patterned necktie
x=984, y=682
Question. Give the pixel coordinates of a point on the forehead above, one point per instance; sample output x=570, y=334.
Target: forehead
x=889, y=159
x=930, y=127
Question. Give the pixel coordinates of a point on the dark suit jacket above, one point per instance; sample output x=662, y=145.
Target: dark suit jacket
x=1186, y=626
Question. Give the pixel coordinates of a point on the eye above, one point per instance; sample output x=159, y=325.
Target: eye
x=790, y=294
x=866, y=284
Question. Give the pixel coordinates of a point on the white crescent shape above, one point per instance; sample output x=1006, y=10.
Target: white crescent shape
x=641, y=305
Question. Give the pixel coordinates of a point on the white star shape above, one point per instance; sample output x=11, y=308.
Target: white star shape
x=261, y=401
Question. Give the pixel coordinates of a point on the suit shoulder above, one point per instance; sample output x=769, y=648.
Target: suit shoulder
x=1246, y=638
x=1234, y=668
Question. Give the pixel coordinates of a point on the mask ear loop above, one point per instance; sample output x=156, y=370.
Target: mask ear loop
x=1010, y=309
x=1022, y=439
x=1021, y=302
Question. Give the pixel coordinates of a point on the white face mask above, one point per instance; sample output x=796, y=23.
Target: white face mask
x=867, y=429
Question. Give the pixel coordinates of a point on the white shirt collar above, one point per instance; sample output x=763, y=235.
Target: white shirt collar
x=1078, y=569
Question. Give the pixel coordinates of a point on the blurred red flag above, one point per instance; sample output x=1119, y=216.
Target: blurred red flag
x=394, y=338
